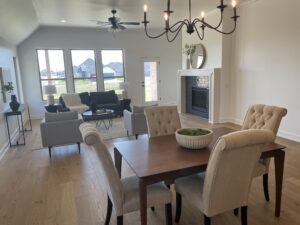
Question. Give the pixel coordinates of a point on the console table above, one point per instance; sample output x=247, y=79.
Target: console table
x=21, y=127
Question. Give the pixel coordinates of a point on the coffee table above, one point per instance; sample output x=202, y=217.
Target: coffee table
x=103, y=116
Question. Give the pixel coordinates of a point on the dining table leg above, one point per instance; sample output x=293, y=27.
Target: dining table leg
x=118, y=161
x=143, y=202
x=279, y=167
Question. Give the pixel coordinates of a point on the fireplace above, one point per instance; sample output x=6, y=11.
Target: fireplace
x=197, y=97
x=209, y=79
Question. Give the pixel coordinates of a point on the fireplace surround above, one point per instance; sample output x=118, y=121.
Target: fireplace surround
x=208, y=79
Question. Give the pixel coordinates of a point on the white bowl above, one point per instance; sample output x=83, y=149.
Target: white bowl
x=194, y=142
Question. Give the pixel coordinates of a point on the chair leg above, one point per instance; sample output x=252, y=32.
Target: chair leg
x=206, y=220
x=244, y=215
x=49, y=148
x=266, y=186
x=136, y=136
x=108, y=212
x=178, y=207
x=236, y=211
x=78, y=143
x=119, y=220
x=168, y=212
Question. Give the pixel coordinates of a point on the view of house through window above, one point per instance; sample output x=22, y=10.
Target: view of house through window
x=52, y=71
x=84, y=70
x=113, y=70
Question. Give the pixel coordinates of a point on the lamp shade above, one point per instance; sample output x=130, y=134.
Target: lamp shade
x=49, y=89
x=123, y=85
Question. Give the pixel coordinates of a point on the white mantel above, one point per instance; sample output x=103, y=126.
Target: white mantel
x=214, y=90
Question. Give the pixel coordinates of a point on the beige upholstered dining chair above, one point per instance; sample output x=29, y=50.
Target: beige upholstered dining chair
x=266, y=117
x=162, y=120
x=226, y=183
x=123, y=194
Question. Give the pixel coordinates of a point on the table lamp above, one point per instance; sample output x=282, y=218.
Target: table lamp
x=124, y=87
x=49, y=90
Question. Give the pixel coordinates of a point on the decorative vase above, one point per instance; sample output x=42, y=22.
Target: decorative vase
x=188, y=63
x=14, y=104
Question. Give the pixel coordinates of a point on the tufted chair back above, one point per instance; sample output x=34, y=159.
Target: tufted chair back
x=264, y=117
x=112, y=181
x=230, y=170
x=162, y=120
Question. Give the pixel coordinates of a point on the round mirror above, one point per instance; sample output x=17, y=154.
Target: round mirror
x=198, y=58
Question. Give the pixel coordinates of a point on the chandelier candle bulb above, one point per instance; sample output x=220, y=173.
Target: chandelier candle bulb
x=202, y=14
x=145, y=13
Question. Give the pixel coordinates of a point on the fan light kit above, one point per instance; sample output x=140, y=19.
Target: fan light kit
x=191, y=25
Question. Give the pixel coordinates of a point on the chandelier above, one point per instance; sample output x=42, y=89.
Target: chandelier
x=196, y=24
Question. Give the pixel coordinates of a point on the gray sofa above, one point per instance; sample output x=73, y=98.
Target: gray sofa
x=61, y=129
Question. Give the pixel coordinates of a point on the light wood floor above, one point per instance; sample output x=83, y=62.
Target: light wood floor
x=66, y=190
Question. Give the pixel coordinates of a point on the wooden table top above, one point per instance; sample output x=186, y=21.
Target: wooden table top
x=154, y=156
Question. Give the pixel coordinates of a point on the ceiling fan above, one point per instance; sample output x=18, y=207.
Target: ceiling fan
x=114, y=23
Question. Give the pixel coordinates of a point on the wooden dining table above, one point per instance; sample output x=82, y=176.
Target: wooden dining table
x=162, y=159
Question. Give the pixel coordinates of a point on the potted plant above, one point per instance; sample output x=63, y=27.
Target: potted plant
x=189, y=50
x=194, y=138
x=14, y=104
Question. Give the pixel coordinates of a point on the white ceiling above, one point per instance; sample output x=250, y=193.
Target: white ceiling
x=19, y=18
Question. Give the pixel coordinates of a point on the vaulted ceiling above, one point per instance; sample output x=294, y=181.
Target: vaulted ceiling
x=19, y=18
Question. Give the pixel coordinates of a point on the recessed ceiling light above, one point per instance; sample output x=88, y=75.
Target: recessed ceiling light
x=63, y=21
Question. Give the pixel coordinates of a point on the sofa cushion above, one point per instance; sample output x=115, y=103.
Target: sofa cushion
x=71, y=99
x=140, y=109
x=54, y=117
x=85, y=98
x=104, y=97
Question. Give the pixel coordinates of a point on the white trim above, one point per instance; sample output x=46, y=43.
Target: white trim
x=6, y=146
x=289, y=135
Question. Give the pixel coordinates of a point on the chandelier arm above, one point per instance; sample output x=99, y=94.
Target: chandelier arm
x=175, y=36
x=153, y=37
x=184, y=22
x=221, y=20
x=201, y=38
x=176, y=24
x=230, y=32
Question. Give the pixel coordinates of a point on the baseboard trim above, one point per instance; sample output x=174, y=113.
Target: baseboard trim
x=289, y=135
x=6, y=146
x=281, y=133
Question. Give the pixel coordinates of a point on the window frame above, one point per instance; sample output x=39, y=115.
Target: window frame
x=96, y=67
x=39, y=69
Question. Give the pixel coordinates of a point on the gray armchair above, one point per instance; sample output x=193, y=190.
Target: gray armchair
x=135, y=123
x=61, y=129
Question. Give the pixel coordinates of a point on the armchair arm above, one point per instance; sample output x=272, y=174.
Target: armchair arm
x=60, y=132
x=128, y=120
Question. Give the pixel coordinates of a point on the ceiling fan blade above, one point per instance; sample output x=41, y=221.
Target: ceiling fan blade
x=130, y=23
x=103, y=23
x=121, y=27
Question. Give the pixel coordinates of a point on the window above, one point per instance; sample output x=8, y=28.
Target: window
x=113, y=70
x=84, y=70
x=52, y=71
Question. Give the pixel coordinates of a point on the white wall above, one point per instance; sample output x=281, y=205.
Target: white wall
x=7, y=52
x=134, y=42
x=266, y=58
